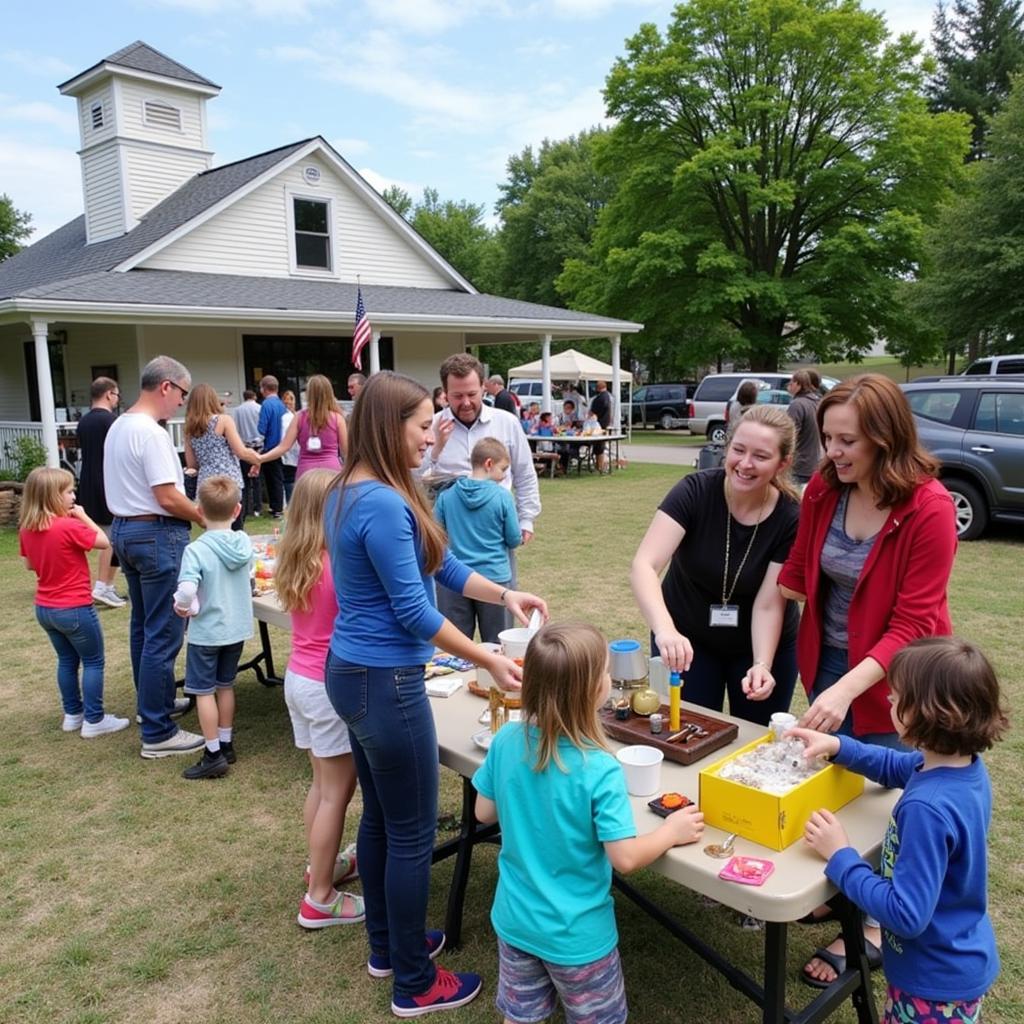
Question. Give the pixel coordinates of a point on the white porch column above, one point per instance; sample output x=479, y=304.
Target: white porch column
x=545, y=373
x=375, y=352
x=44, y=383
x=616, y=381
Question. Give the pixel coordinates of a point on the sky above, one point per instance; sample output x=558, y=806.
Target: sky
x=418, y=93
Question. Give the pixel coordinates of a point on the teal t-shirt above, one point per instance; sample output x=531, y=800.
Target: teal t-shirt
x=554, y=880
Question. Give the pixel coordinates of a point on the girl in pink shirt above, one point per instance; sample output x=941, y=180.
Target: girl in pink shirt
x=305, y=588
x=54, y=535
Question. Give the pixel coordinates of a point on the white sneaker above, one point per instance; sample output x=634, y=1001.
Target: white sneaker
x=72, y=723
x=106, y=594
x=181, y=706
x=182, y=742
x=108, y=723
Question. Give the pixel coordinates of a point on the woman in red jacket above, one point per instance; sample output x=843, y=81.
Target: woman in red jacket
x=871, y=560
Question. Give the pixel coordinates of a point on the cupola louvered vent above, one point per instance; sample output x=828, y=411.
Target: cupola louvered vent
x=162, y=115
x=96, y=115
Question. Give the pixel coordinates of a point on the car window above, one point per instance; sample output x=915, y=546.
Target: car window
x=982, y=366
x=1001, y=413
x=675, y=394
x=935, y=405
x=1010, y=366
x=716, y=389
x=640, y=395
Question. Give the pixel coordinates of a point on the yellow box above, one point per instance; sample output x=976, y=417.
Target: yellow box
x=773, y=821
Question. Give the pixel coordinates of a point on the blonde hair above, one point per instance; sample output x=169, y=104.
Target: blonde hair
x=320, y=401
x=42, y=499
x=218, y=498
x=203, y=404
x=564, y=666
x=300, y=554
x=776, y=418
x=488, y=448
x=376, y=445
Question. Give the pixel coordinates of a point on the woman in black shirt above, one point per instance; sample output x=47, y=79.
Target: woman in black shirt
x=723, y=535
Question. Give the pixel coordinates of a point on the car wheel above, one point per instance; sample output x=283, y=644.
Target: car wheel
x=716, y=433
x=667, y=421
x=970, y=508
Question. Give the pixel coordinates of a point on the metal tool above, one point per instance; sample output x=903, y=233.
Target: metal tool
x=721, y=850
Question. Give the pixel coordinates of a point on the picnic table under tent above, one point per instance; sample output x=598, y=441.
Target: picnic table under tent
x=575, y=367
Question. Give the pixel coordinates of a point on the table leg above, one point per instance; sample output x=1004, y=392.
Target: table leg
x=774, y=1008
x=265, y=657
x=857, y=960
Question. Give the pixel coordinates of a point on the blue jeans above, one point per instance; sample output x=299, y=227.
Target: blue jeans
x=395, y=749
x=78, y=640
x=150, y=555
x=833, y=664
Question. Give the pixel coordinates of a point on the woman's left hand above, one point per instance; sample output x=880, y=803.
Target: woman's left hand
x=758, y=683
x=520, y=604
x=827, y=712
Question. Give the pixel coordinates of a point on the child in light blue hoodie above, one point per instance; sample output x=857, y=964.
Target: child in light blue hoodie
x=480, y=517
x=214, y=590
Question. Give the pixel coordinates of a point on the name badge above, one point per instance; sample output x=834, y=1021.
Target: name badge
x=313, y=444
x=725, y=615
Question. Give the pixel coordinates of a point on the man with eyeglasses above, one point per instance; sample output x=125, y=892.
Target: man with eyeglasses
x=92, y=433
x=145, y=489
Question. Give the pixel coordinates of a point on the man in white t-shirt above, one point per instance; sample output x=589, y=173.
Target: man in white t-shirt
x=145, y=490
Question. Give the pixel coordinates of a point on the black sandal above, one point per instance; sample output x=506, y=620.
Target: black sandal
x=838, y=963
x=812, y=918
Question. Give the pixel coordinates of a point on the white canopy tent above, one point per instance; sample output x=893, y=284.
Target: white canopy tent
x=574, y=366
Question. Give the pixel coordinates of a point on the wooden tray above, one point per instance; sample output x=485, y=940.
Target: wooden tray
x=637, y=729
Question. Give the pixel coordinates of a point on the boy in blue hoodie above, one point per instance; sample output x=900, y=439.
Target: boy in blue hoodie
x=214, y=590
x=480, y=517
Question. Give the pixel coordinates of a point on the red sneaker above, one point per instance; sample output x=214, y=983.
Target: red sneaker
x=449, y=992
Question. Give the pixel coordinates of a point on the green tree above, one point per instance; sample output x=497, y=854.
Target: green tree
x=15, y=227
x=777, y=165
x=549, y=206
x=398, y=199
x=978, y=46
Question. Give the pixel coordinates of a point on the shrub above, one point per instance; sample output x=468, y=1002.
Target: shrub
x=26, y=453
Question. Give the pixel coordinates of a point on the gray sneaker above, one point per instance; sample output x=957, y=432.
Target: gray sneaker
x=181, y=706
x=182, y=742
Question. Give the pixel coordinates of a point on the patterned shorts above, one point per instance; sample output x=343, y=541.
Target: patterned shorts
x=529, y=988
x=903, y=1008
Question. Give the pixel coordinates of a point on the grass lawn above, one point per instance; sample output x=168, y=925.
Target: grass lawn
x=131, y=895
x=875, y=364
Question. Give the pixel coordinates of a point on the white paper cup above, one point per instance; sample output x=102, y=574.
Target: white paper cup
x=781, y=721
x=515, y=640
x=642, y=767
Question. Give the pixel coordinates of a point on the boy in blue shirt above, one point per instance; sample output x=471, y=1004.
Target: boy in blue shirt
x=214, y=590
x=480, y=518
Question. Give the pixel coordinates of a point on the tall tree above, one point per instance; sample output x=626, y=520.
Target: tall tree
x=15, y=227
x=978, y=45
x=398, y=199
x=778, y=163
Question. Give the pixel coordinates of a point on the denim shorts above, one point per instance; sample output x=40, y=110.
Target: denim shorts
x=210, y=668
x=529, y=988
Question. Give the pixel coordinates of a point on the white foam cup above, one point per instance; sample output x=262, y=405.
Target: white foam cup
x=642, y=767
x=781, y=722
x=515, y=640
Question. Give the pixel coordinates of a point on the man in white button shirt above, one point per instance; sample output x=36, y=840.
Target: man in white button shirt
x=145, y=490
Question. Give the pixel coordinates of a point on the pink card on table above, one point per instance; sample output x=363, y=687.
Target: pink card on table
x=747, y=870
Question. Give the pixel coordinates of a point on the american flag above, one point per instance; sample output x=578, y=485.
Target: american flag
x=362, y=333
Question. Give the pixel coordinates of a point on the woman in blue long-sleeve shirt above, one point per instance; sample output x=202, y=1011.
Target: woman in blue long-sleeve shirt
x=386, y=550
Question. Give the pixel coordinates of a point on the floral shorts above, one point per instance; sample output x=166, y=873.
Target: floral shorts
x=903, y=1008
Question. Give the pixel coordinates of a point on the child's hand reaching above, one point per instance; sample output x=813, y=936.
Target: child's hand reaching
x=824, y=834
x=685, y=826
x=817, y=744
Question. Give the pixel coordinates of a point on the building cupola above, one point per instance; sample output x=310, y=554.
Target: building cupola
x=142, y=122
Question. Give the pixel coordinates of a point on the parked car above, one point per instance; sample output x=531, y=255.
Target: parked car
x=995, y=365
x=661, y=405
x=975, y=426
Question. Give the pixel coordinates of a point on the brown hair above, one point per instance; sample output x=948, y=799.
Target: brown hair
x=320, y=401
x=564, y=666
x=41, y=499
x=746, y=393
x=462, y=364
x=203, y=403
x=947, y=696
x=802, y=379
x=300, y=554
x=885, y=419
x=376, y=445
x=101, y=387
x=269, y=383
x=775, y=417
x=488, y=448
x=218, y=498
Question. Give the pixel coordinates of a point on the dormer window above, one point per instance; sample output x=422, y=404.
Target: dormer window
x=96, y=116
x=312, y=220
x=161, y=115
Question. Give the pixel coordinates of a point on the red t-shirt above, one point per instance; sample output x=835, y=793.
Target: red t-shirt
x=57, y=555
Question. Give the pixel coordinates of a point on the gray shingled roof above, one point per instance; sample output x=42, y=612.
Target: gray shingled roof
x=140, y=56
x=190, y=290
x=64, y=254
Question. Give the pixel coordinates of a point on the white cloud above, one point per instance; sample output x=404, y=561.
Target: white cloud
x=290, y=10
x=380, y=182
x=430, y=17
x=37, y=63
x=351, y=147
x=42, y=180
x=37, y=112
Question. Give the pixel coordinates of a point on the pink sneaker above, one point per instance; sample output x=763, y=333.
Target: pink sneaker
x=449, y=992
x=346, y=909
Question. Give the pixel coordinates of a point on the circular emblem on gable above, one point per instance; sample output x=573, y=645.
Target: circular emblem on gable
x=311, y=174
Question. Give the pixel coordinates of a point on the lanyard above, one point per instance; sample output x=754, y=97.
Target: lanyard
x=743, y=561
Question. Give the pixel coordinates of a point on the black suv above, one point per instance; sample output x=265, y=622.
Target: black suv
x=975, y=425
x=661, y=405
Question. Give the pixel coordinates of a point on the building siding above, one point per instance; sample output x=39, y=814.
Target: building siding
x=153, y=175
x=251, y=237
x=104, y=212
x=133, y=123
x=90, y=136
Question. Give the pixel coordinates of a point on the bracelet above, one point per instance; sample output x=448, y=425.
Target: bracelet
x=763, y=664
x=501, y=599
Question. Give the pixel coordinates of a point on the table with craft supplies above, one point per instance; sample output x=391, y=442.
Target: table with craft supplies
x=578, y=442
x=796, y=886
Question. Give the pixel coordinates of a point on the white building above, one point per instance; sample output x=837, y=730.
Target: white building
x=238, y=270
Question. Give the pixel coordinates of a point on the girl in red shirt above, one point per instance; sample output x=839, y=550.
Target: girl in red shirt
x=54, y=535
